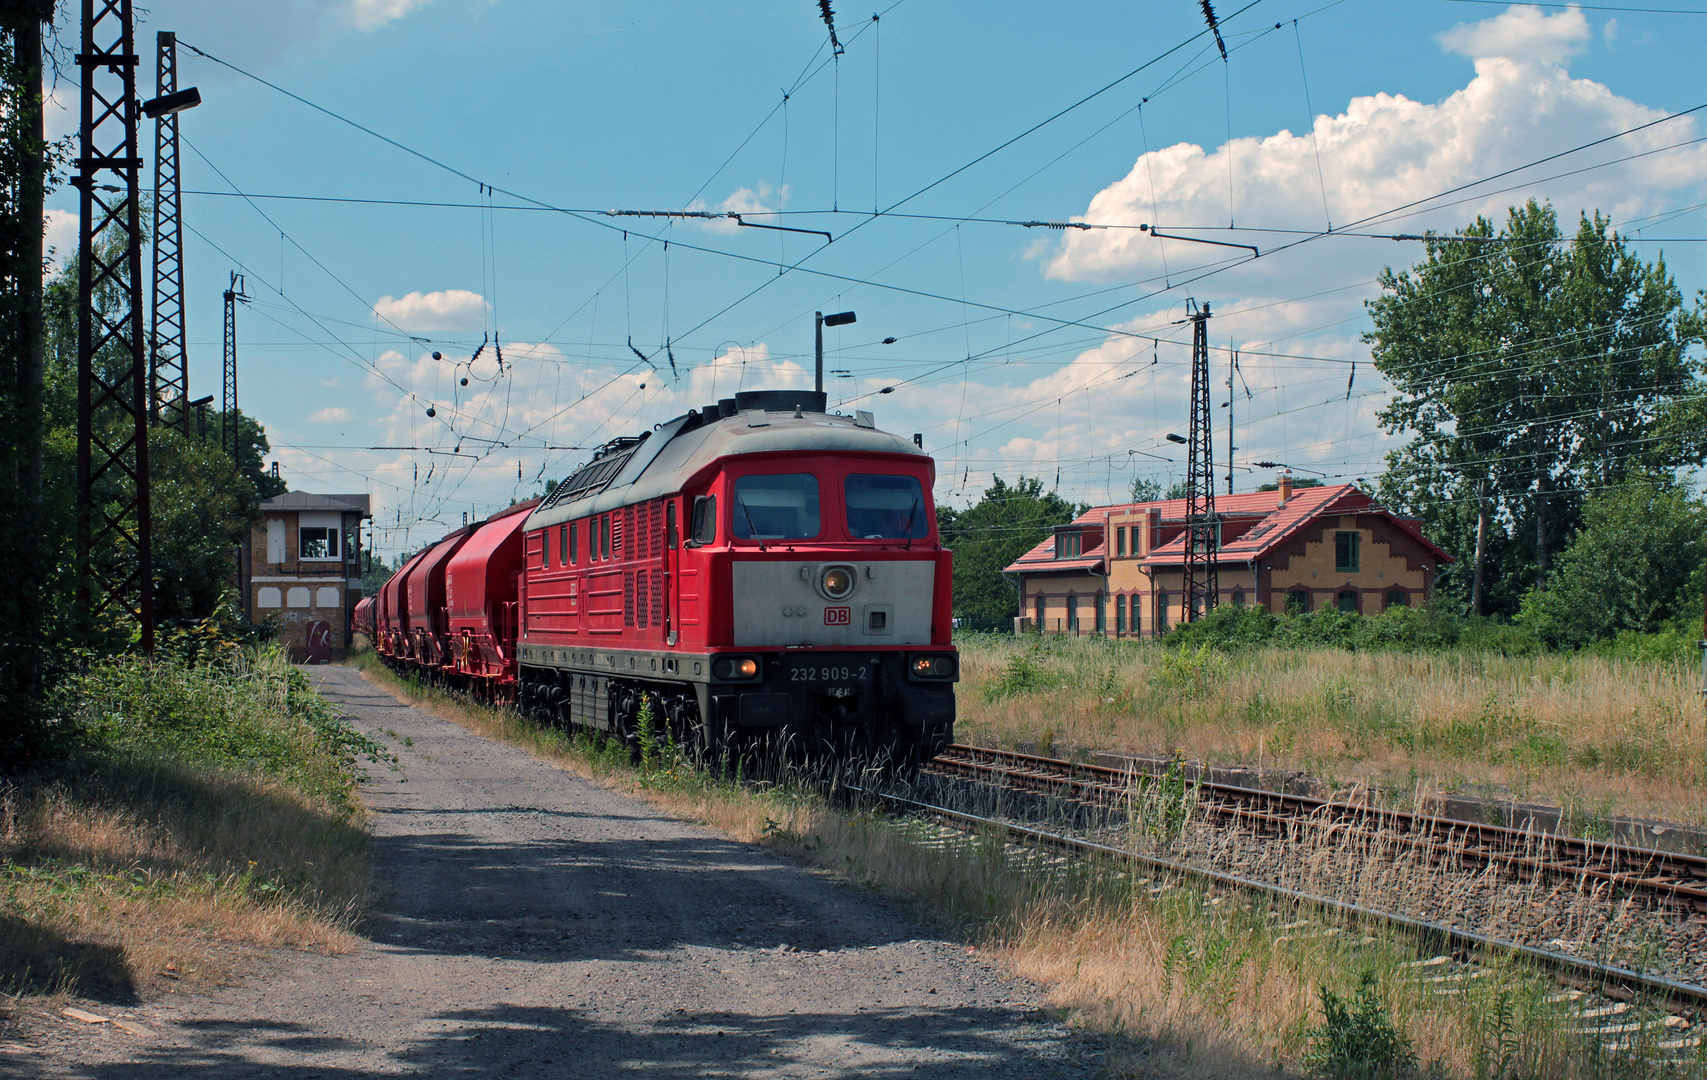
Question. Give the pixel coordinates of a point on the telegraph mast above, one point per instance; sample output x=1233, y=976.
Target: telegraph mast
x=228, y=429
x=1203, y=528
x=169, y=369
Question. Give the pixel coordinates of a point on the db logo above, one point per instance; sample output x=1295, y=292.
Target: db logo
x=838, y=616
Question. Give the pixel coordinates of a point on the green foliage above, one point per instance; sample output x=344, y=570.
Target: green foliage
x=1024, y=674
x=990, y=534
x=1529, y=368
x=1410, y=629
x=1191, y=673
x=1633, y=567
x=1358, y=1039
x=253, y=712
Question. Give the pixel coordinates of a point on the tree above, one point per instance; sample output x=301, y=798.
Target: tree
x=1633, y=566
x=1147, y=489
x=993, y=532
x=1529, y=369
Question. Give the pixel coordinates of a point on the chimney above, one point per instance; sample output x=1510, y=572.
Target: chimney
x=1285, y=488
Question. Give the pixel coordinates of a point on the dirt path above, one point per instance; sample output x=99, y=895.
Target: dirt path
x=538, y=925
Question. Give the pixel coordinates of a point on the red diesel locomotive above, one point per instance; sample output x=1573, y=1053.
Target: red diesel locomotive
x=756, y=567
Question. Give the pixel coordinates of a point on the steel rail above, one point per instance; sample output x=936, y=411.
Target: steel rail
x=1607, y=978
x=1676, y=878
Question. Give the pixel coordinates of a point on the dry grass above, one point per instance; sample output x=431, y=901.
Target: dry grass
x=1188, y=983
x=1594, y=735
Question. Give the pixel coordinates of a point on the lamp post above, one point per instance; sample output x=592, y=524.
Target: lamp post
x=821, y=320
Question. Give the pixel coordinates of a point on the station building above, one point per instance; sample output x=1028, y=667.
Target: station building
x=302, y=565
x=1120, y=570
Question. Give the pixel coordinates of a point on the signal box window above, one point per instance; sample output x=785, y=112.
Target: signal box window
x=317, y=543
x=1345, y=552
x=778, y=507
x=1398, y=598
x=1298, y=601
x=1348, y=601
x=883, y=507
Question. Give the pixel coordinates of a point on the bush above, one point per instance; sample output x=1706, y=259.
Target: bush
x=250, y=711
x=1023, y=675
x=1191, y=672
x=1358, y=1040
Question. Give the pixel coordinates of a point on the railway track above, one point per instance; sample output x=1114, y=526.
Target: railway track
x=1619, y=1008
x=1675, y=879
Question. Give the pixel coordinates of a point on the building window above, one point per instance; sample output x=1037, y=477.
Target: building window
x=1398, y=598
x=317, y=542
x=1348, y=599
x=327, y=597
x=1069, y=545
x=1206, y=536
x=1040, y=610
x=1298, y=601
x=1072, y=614
x=1119, y=615
x=268, y=597
x=1120, y=540
x=297, y=597
x=1134, y=610
x=1102, y=614
x=1161, y=613
x=1345, y=552
x=1238, y=598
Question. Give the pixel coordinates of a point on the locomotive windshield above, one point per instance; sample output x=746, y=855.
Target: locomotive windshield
x=885, y=507
x=779, y=507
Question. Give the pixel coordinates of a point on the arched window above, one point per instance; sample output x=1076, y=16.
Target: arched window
x=1072, y=614
x=1119, y=615
x=1040, y=610
x=1135, y=611
x=1101, y=614
x=1298, y=601
x=1347, y=601
x=1238, y=598
x=1398, y=598
x=1161, y=613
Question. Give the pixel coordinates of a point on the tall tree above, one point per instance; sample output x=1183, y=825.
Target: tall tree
x=25, y=167
x=1528, y=369
x=993, y=532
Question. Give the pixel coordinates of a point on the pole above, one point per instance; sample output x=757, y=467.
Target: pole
x=1202, y=584
x=229, y=429
x=115, y=537
x=818, y=351
x=1232, y=371
x=169, y=370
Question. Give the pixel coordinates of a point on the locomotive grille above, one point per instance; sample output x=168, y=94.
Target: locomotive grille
x=628, y=598
x=657, y=598
x=642, y=587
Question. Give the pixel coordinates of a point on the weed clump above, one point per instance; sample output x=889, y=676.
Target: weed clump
x=1358, y=1039
x=1024, y=674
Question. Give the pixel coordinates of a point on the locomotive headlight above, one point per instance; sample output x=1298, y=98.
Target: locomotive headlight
x=734, y=667
x=933, y=667
x=837, y=582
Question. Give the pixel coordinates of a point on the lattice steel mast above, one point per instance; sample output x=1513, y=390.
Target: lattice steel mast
x=228, y=425
x=1203, y=531
x=169, y=368
x=114, y=541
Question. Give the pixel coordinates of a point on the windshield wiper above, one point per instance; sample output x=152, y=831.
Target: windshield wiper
x=754, y=529
x=911, y=514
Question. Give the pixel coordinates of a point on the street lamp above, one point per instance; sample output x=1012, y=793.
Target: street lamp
x=169, y=104
x=1176, y=438
x=821, y=320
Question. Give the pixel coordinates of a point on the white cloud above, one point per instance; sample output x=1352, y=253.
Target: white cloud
x=1385, y=151
x=370, y=14
x=61, y=236
x=330, y=415
x=450, y=309
x=762, y=199
x=1521, y=32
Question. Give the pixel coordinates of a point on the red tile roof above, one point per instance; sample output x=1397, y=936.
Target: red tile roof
x=1274, y=525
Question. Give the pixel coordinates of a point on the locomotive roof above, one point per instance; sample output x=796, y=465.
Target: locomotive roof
x=665, y=460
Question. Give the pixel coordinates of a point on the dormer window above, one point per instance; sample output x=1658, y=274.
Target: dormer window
x=1069, y=545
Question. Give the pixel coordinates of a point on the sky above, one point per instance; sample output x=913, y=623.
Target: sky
x=461, y=253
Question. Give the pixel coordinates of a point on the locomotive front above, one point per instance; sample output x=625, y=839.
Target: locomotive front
x=759, y=569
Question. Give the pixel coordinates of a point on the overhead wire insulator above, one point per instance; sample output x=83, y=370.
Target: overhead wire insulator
x=1214, y=26
x=829, y=17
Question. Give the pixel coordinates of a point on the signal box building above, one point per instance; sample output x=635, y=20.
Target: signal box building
x=1120, y=570
x=302, y=566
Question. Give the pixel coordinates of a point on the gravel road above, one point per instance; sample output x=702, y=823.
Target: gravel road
x=535, y=924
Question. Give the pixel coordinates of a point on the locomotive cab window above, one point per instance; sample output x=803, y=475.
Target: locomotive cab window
x=705, y=519
x=885, y=507
x=563, y=544
x=782, y=506
x=604, y=537
x=571, y=547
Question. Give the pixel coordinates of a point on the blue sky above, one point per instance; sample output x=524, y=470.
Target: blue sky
x=590, y=107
